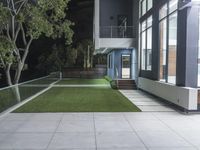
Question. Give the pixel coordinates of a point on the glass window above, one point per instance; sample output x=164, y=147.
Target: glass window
x=172, y=48
x=144, y=3
x=163, y=49
x=146, y=44
x=149, y=49
x=168, y=47
x=144, y=26
x=163, y=12
x=149, y=21
x=150, y=4
x=173, y=5
x=143, y=51
x=199, y=54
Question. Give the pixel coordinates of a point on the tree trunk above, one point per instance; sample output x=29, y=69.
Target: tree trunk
x=88, y=57
x=92, y=58
x=85, y=61
x=8, y=77
x=15, y=89
x=18, y=72
x=16, y=92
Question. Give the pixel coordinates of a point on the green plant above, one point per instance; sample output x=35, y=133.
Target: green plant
x=113, y=83
x=108, y=78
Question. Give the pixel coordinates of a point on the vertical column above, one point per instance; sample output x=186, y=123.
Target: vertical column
x=97, y=23
x=187, y=47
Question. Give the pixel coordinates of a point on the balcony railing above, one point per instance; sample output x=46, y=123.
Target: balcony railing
x=118, y=32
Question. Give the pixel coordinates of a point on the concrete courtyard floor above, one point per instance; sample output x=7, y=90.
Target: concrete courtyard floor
x=151, y=130
x=100, y=131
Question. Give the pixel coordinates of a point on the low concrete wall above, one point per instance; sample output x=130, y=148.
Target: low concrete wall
x=182, y=96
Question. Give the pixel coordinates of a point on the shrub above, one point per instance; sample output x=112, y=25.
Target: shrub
x=112, y=82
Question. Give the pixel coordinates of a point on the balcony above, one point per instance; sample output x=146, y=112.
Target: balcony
x=115, y=37
x=118, y=32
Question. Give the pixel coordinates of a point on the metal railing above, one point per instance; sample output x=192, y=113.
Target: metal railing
x=118, y=32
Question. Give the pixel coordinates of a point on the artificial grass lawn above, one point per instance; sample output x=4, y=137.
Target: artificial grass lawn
x=79, y=100
x=83, y=81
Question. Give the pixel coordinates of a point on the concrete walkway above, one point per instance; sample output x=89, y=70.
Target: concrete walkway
x=145, y=101
x=100, y=131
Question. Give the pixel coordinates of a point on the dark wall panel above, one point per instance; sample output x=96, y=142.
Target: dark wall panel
x=112, y=8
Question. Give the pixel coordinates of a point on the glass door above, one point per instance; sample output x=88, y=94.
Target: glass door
x=126, y=66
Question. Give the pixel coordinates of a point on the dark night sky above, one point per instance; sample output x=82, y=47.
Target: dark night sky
x=81, y=13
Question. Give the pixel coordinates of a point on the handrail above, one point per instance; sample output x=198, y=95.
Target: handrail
x=118, y=31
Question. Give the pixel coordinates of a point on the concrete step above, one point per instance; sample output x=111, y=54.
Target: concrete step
x=126, y=84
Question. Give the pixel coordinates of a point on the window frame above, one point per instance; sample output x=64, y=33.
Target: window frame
x=146, y=7
x=167, y=16
x=144, y=67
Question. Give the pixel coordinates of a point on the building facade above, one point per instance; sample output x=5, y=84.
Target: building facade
x=160, y=50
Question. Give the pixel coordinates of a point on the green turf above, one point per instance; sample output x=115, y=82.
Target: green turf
x=83, y=81
x=79, y=100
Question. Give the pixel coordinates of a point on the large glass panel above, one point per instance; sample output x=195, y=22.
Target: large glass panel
x=172, y=48
x=173, y=5
x=163, y=49
x=199, y=54
x=150, y=4
x=144, y=4
x=13, y=95
x=143, y=61
x=144, y=25
x=149, y=21
x=149, y=49
x=163, y=12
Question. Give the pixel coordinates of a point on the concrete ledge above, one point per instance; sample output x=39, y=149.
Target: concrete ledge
x=184, y=97
x=115, y=43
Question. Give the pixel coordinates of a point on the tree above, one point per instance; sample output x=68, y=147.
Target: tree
x=27, y=20
x=58, y=58
x=87, y=49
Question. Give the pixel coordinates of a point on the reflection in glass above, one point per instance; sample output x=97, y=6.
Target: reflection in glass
x=149, y=49
x=144, y=3
x=199, y=55
x=144, y=26
x=172, y=48
x=150, y=4
x=149, y=21
x=163, y=49
x=163, y=12
x=173, y=5
x=143, y=50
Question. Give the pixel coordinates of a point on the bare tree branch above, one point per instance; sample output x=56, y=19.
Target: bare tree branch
x=8, y=32
x=23, y=34
x=13, y=27
x=21, y=49
x=27, y=50
x=17, y=33
x=22, y=4
x=13, y=7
